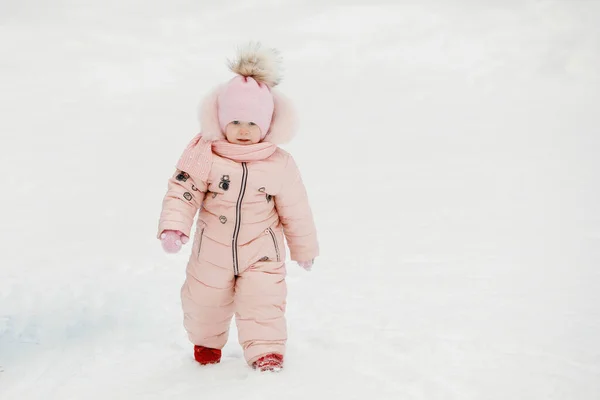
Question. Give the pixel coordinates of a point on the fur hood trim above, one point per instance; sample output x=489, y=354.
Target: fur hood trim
x=283, y=125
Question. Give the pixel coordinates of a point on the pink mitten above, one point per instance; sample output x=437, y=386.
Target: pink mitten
x=172, y=240
x=307, y=265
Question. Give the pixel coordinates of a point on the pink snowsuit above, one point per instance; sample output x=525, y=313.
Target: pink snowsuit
x=237, y=264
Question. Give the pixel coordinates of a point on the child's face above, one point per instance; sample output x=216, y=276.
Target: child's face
x=242, y=132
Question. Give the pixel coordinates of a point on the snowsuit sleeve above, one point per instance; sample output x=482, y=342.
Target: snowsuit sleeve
x=296, y=216
x=183, y=199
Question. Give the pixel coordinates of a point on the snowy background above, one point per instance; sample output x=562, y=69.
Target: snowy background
x=451, y=150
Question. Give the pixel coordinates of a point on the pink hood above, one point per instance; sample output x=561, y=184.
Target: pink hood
x=283, y=125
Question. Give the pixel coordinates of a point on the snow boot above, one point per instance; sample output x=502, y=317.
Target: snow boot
x=271, y=362
x=206, y=355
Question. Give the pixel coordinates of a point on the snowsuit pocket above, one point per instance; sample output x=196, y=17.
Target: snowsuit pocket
x=200, y=237
x=278, y=255
x=200, y=241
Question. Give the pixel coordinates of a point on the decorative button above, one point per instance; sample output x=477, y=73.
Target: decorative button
x=182, y=176
x=224, y=184
x=262, y=189
x=187, y=196
x=223, y=219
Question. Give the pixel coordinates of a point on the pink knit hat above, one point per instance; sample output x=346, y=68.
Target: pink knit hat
x=245, y=99
x=248, y=97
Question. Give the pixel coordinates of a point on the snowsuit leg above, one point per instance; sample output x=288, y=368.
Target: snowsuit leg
x=207, y=295
x=260, y=300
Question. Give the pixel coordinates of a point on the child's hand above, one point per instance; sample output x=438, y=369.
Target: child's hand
x=172, y=240
x=307, y=265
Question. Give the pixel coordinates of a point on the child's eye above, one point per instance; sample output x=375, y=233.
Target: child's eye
x=252, y=123
x=235, y=122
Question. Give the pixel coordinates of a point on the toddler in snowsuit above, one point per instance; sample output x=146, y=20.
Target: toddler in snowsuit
x=250, y=195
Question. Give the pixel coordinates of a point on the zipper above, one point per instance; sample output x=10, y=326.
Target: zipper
x=200, y=241
x=275, y=243
x=238, y=220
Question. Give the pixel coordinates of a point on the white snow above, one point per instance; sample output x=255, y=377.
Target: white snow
x=451, y=153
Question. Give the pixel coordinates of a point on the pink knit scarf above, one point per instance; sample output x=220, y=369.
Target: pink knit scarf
x=198, y=155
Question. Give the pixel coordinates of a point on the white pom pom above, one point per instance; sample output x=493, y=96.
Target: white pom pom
x=262, y=64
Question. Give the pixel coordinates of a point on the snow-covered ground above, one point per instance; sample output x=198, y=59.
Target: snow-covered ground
x=451, y=153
